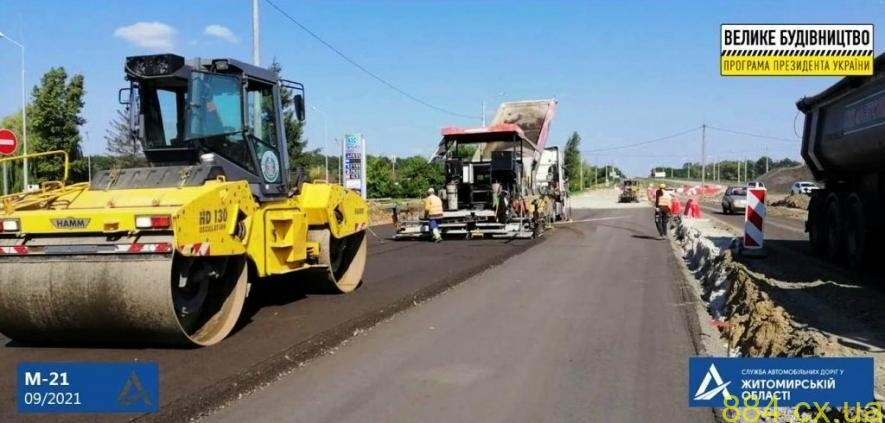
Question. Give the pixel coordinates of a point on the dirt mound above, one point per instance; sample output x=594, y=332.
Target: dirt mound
x=381, y=211
x=751, y=322
x=757, y=327
x=793, y=201
x=780, y=180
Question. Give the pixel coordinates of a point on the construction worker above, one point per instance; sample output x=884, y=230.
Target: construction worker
x=433, y=212
x=662, y=209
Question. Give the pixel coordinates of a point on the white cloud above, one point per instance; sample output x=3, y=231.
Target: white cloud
x=149, y=35
x=222, y=32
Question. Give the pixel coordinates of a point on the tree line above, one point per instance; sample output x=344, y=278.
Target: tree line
x=726, y=170
x=581, y=174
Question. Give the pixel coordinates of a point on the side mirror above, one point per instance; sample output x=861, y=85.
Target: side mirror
x=299, y=107
x=124, y=95
x=298, y=98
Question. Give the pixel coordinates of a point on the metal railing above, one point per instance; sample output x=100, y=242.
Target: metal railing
x=49, y=190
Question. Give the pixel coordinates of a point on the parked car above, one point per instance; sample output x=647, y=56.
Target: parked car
x=734, y=199
x=755, y=184
x=803, y=187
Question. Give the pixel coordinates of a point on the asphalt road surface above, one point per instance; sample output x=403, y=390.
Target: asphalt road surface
x=284, y=324
x=776, y=227
x=591, y=325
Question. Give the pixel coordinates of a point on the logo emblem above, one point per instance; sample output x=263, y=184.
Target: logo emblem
x=71, y=223
x=133, y=391
x=721, y=387
x=270, y=166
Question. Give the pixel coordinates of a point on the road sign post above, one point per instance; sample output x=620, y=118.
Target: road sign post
x=8, y=145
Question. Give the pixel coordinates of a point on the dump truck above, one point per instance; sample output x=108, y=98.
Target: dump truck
x=552, y=184
x=843, y=144
x=490, y=176
x=165, y=254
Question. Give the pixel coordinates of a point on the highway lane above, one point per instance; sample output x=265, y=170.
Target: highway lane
x=283, y=325
x=781, y=233
x=776, y=227
x=592, y=325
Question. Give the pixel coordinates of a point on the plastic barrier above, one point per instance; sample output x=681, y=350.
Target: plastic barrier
x=675, y=206
x=692, y=209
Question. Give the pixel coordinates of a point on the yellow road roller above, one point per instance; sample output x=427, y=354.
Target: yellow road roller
x=165, y=254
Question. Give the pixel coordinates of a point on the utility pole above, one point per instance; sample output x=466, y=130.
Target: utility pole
x=394, y=168
x=483, y=113
x=739, y=172
x=703, y=154
x=256, y=60
x=340, y=161
x=256, y=35
x=581, y=172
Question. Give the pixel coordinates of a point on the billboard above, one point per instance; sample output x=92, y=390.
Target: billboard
x=354, y=154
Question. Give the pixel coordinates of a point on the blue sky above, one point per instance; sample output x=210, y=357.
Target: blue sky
x=622, y=71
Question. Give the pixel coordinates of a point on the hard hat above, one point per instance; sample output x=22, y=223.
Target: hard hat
x=663, y=185
x=431, y=190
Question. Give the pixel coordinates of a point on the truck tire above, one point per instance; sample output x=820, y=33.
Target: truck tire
x=856, y=233
x=817, y=233
x=834, y=228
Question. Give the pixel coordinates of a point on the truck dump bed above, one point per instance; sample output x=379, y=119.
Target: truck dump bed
x=532, y=116
x=845, y=125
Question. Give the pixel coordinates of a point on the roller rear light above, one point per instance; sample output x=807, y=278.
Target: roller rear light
x=153, y=222
x=10, y=225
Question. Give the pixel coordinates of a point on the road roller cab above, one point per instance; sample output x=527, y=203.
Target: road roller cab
x=163, y=254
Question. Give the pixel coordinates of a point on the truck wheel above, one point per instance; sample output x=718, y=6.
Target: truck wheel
x=817, y=234
x=833, y=228
x=855, y=233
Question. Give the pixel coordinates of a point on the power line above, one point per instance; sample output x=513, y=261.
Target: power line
x=619, y=147
x=751, y=134
x=363, y=68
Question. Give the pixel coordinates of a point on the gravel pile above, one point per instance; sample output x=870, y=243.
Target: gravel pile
x=793, y=201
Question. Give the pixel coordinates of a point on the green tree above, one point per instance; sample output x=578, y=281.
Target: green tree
x=125, y=150
x=415, y=174
x=13, y=122
x=55, y=112
x=379, y=175
x=573, y=161
x=465, y=152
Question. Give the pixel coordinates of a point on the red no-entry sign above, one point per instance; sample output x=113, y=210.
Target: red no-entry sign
x=8, y=142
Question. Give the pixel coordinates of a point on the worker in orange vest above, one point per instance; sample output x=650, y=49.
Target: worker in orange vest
x=662, y=209
x=433, y=211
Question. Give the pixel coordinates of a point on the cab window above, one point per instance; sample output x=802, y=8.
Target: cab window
x=262, y=113
x=162, y=109
x=215, y=105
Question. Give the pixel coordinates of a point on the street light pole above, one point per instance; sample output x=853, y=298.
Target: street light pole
x=703, y=154
x=325, y=138
x=24, y=113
